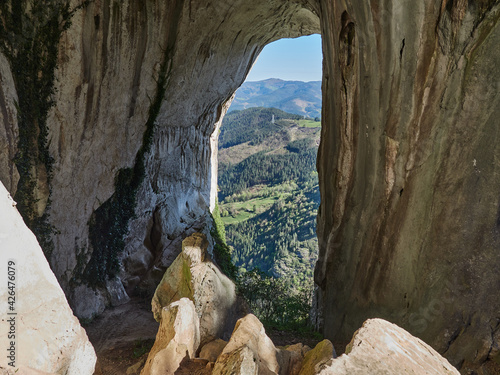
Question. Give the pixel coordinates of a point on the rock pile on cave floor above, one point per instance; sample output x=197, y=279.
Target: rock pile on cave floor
x=195, y=301
x=379, y=347
x=193, y=275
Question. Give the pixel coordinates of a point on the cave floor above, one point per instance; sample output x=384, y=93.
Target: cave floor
x=122, y=337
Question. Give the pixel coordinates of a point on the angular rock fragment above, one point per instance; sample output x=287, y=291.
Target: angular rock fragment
x=318, y=358
x=194, y=276
x=382, y=348
x=241, y=361
x=291, y=358
x=248, y=351
x=178, y=337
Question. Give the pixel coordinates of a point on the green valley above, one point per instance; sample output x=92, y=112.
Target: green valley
x=268, y=192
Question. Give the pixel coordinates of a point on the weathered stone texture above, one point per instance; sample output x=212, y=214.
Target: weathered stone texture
x=408, y=163
x=48, y=337
x=178, y=337
x=9, y=175
x=383, y=348
x=211, y=350
x=292, y=357
x=318, y=358
x=409, y=219
x=192, y=275
x=249, y=351
x=109, y=63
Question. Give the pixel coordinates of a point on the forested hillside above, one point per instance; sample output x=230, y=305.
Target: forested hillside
x=268, y=191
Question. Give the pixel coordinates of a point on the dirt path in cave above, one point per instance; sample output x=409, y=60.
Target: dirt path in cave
x=122, y=337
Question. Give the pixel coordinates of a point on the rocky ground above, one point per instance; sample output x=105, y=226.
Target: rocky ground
x=285, y=338
x=122, y=336
x=192, y=336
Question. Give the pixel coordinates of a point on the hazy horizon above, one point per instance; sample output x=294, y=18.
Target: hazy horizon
x=285, y=80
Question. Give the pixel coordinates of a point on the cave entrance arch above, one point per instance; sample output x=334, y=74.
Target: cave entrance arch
x=177, y=64
x=268, y=185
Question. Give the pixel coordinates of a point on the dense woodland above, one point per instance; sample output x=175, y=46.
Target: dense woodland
x=268, y=202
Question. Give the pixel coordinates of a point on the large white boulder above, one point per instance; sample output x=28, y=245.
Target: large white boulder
x=383, y=348
x=41, y=329
x=177, y=337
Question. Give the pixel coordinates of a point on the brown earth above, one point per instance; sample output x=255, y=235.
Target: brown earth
x=122, y=336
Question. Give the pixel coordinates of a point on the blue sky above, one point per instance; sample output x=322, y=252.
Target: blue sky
x=298, y=59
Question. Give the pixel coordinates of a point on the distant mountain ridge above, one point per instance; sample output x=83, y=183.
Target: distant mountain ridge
x=301, y=98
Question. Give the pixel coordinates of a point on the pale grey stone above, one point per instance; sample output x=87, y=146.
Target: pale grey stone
x=48, y=337
x=178, y=337
x=383, y=348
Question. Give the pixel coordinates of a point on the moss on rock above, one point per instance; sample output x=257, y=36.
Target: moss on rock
x=29, y=38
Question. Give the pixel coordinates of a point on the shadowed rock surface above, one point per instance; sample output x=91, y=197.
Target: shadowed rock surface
x=211, y=350
x=409, y=220
x=119, y=333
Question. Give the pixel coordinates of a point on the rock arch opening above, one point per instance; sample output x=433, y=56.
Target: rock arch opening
x=268, y=189
x=194, y=68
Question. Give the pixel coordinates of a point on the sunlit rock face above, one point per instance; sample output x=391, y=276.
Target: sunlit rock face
x=408, y=163
x=193, y=275
x=409, y=226
x=177, y=337
x=40, y=334
x=380, y=348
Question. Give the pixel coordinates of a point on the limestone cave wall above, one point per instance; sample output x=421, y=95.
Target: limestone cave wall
x=409, y=172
